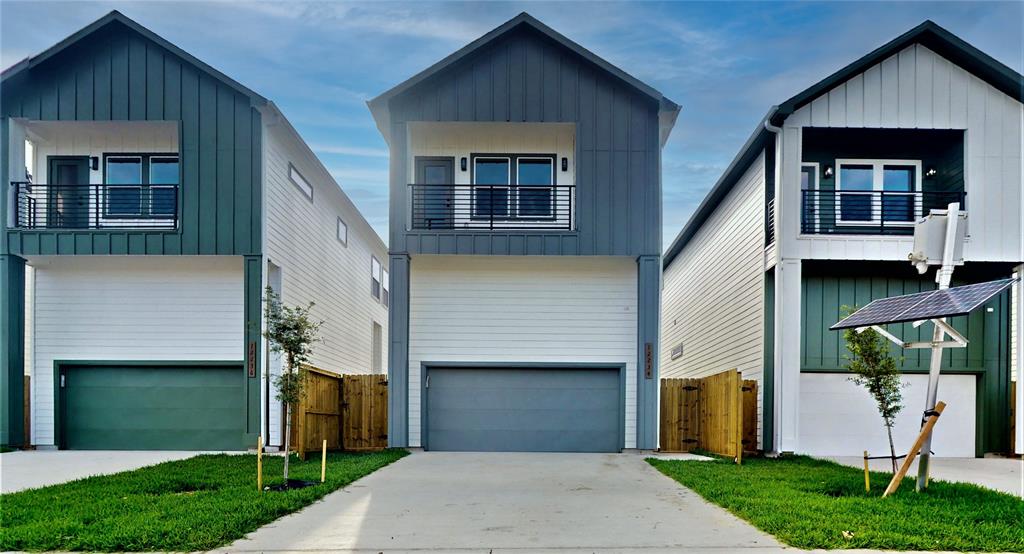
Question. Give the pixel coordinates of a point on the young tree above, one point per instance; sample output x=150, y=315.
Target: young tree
x=875, y=369
x=291, y=332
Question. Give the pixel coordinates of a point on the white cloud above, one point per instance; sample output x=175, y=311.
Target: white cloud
x=350, y=150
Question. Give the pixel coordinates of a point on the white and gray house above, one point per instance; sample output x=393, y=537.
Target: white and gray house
x=525, y=248
x=149, y=199
x=816, y=212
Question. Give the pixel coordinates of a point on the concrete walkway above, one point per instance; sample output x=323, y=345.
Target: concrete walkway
x=31, y=469
x=1001, y=474
x=431, y=501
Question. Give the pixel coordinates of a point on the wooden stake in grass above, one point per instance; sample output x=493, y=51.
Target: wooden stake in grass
x=925, y=432
x=259, y=463
x=323, y=462
x=867, y=476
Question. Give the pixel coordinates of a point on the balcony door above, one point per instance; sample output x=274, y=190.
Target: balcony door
x=433, y=202
x=68, y=198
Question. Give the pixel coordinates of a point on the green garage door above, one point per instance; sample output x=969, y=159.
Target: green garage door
x=524, y=410
x=147, y=407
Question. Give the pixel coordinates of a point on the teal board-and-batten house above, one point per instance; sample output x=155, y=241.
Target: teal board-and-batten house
x=149, y=199
x=817, y=212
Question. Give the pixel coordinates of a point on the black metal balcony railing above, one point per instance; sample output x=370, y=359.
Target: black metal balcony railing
x=869, y=212
x=769, y=222
x=43, y=206
x=492, y=207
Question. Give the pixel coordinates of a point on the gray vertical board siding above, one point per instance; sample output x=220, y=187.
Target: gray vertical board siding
x=117, y=74
x=398, y=352
x=12, y=349
x=527, y=77
x=648, y=327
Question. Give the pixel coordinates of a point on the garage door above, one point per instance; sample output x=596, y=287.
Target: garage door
x=125, y=407
x=524, y=410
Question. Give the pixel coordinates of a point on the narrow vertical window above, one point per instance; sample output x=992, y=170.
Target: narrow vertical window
x=385, y=297
x=342, y=232
x=377, y=349
x=375, y=270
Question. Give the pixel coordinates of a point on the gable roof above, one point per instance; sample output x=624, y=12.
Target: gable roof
x=116, y=17
x=379, y=105
x=928, y=34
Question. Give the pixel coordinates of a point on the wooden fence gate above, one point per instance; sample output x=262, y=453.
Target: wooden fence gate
x=716, y=413
x=364, y=411
x=350, y=412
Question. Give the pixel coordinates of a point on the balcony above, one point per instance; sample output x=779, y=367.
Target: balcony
x=834, y=212
x=437, y=207
x=95, y=207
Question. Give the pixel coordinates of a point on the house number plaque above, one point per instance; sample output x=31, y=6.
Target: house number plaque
x=251, y=362
x=648, y=360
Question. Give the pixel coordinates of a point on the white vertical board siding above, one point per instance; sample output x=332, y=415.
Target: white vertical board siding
x=522, y=309
x=839, y=418
x=918, y=88
x=713, y=296
x=300, y=237
x=131, y=308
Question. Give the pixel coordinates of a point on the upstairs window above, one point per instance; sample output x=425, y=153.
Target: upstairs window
x=870, y=192
x=141, y=185
x=375, y=278
x=513, y=186
x=342, y=232
x=385, y=297
x=300, y=182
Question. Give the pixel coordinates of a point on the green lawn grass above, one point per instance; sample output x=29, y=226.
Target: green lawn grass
x=194, y=504
x=810, y=503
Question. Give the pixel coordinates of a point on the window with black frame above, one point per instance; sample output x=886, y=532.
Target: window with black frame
x=514, y=186
x=141, y=185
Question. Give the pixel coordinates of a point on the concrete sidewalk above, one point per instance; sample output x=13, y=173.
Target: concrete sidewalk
x=29, y=469
x=1001, y=474
x=431, y=501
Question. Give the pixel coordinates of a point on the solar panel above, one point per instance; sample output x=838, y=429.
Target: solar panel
x=924, y=305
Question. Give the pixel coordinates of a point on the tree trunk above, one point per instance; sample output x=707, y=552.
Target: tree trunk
x=892, y=448
x=288, y=438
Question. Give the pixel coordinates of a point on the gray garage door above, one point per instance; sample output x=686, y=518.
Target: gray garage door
x=524, y=410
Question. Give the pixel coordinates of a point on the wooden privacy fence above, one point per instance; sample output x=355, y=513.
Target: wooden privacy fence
x=717, y=413
x=348, y=411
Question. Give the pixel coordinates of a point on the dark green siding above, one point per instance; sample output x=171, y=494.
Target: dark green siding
x=12, y=349
x=117, y=74
x=526, y=77
x=768, y=379
x=253, y=290
x=826, y=290
x=188, y=406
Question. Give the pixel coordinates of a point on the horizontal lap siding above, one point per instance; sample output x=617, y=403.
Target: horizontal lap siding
x=301, y=239
x=117, y=74
x=122, y=308
x=918, y=88
x=531, y=310
x=527, y=78
x=713, y=296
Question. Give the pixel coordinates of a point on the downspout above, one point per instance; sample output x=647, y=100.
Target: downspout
x=776, y=390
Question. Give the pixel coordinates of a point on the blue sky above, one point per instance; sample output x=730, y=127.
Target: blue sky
x=724, y=62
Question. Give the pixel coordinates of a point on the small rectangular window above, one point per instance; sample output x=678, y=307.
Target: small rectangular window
x=377, y=346
x=124, y=190
x=300, y=182
x=375, y=270
x=342, y=232
x=385, y=297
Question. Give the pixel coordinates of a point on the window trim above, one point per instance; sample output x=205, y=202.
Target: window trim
x=513, y=186
x=337, y=231
x=145, y=187
x=306, y=188
x=878, y=185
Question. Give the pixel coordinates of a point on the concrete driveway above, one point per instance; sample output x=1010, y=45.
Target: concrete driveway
x=31, y=469
x=522, y=502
